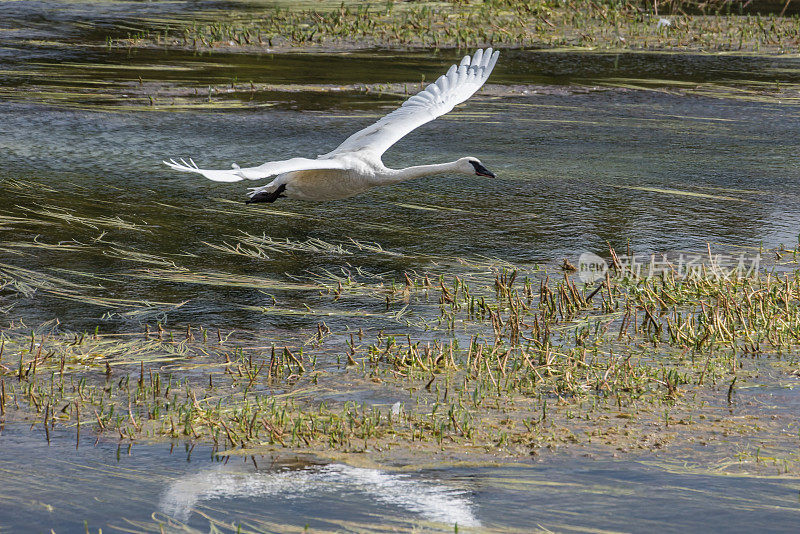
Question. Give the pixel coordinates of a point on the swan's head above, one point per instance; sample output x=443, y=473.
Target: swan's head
x=474, y=166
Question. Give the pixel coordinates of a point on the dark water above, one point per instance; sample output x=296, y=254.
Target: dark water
x=61, y=47
x=149, y=487
x=574, y=172
x=83, y=72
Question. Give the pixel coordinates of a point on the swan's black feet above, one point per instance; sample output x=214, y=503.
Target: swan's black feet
x=265, y=196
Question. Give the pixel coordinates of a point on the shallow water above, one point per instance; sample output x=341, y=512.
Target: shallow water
x=574, y=172
x=149, y=486
x=656, y=152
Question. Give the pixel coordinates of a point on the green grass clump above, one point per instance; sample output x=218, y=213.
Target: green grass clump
x=519, y=23
x=512, y=367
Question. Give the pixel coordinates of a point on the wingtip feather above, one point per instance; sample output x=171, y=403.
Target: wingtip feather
x=492, y=61
x=477, y=58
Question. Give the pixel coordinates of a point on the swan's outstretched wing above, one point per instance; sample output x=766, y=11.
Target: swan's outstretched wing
x=269, y=168
x=438, y=98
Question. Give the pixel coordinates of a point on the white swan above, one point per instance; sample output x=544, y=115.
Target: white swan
x=355, y=166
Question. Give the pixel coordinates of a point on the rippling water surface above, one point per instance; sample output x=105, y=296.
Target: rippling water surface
x=649, y=170
x=149, y=488
x=648, y=152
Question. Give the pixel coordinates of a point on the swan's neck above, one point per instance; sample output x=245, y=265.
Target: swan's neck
x=418, y=171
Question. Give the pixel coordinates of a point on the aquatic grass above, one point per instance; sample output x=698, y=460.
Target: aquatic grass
x=680, y=192
x=519, y=24
x=484, y=357
x=220, y=279
x=374, y=248
x=539, y=364
x=137, y=256
x=36, y=243
x=357, y=287
x=69, y=217
x=8, y=222
x=265, y=243
x=28, y=281
x=30, y=284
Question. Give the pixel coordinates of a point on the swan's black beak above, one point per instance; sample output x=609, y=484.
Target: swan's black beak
x=480, y=170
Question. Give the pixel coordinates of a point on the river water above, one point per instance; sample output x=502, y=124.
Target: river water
x=648, y=152
x=149, y=487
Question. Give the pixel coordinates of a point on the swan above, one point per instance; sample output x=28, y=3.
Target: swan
x=355, y=166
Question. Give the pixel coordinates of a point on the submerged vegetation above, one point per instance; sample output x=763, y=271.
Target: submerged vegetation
x=614, y=24
x=408, y=350
x=420, y=332
x=511, y=368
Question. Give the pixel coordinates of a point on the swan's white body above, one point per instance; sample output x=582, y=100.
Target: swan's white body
x=355, y=166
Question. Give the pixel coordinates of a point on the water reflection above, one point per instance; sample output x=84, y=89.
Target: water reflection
x=151, y=488
x=430, y=500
